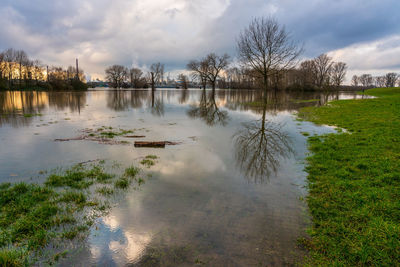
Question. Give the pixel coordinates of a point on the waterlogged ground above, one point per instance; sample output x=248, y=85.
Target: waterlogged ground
x=226, y=191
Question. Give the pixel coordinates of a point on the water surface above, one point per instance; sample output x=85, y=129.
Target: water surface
x=228, y=195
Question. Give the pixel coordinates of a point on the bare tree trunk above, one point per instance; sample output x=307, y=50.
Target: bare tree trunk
x=153, y=87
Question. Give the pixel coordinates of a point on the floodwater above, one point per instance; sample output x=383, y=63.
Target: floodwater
x=229, y=194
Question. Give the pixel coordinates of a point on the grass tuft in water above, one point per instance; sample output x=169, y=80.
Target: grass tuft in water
x=122, y=183
x=32, y=215
x=148, y=161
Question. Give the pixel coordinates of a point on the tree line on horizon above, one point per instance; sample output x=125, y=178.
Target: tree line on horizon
x=267, y=59
x=18, y=71
x=367, y=80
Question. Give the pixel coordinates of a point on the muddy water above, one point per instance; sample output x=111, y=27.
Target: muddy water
x=228, y=195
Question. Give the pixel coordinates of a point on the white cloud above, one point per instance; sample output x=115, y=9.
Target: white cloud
x=140, y=32
x=376, y=57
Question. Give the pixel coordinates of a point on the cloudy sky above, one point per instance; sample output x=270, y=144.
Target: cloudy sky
x=363, y=33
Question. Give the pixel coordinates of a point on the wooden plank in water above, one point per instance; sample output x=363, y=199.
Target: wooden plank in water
x=160, y=144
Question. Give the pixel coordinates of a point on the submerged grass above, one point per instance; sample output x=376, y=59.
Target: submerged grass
x=149, y=160
x=354, y=182
x=33, y=215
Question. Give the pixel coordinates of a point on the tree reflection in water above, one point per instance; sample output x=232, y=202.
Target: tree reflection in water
x=208, y=110
x=117, y=100
x=260, y=146
x=156, y=106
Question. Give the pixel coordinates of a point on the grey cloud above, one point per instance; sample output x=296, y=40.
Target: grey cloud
x=104, y=32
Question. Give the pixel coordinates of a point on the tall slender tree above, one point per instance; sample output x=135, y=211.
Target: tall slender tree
x=266, y=47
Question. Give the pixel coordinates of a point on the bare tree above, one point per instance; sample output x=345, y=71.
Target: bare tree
x=366, y=79
x=199, y=71
x=136, y=77
x=209, y=68
x=183, y=80
x=215, y=64
x=116, y=75
x=380, y=81
x=391, y=79
x=323, y=67
x=156, y=73
x=354, y=80
x=265, y=47
x=21, y=58
x=2, y=65
x=9, y=58
x=338, y=73
x=308, y=73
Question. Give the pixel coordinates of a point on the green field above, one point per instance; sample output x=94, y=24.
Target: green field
x=354, y=182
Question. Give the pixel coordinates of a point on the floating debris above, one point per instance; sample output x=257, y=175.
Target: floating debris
x=134, y=136
x=158, y=144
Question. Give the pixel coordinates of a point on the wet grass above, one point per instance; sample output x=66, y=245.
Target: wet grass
x=149, y=160
x=109, y=132
x=34, y=215
x=29, y=115
x=305, y=100
x=354, y=182
x=305, y=133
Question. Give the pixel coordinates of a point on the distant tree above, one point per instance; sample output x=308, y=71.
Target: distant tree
x=215, y=64
x=9, y=59
x=391, y=79
x=116, y=75
x=155, y=74
x=2, y=65
x=366, y=79
x=21, y=58
x=338, y=73
x=380, y=81
x=184, y=80
x=135, y=75
x=354, y=80
x=199, y=71
x=209, y=68
x=265, y=47
x=38, y=70
x=323, y=67
x=308, y=73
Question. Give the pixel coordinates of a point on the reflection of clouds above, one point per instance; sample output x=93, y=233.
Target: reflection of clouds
x=95, y=251
x=111, y=222
x=183, y=161
x=116, y=243
x=132, y=248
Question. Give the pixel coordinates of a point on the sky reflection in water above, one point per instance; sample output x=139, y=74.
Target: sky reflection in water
x=228, y=195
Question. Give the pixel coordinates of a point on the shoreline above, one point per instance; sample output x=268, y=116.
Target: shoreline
x=353, y=181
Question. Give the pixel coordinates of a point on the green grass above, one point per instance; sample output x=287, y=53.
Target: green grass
x=148, y=161
x=29, y=115
x=122, y=183
x=105, y=191
x=354, y=182
x=32, y=215
x=131, y=171
x=108, y=132
x=13, y=258
x=304, y=100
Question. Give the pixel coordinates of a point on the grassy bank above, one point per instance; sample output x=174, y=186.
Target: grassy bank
x=34, y=217
x=354, y=182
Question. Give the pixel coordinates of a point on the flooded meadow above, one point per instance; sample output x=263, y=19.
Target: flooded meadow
x=226, y=188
